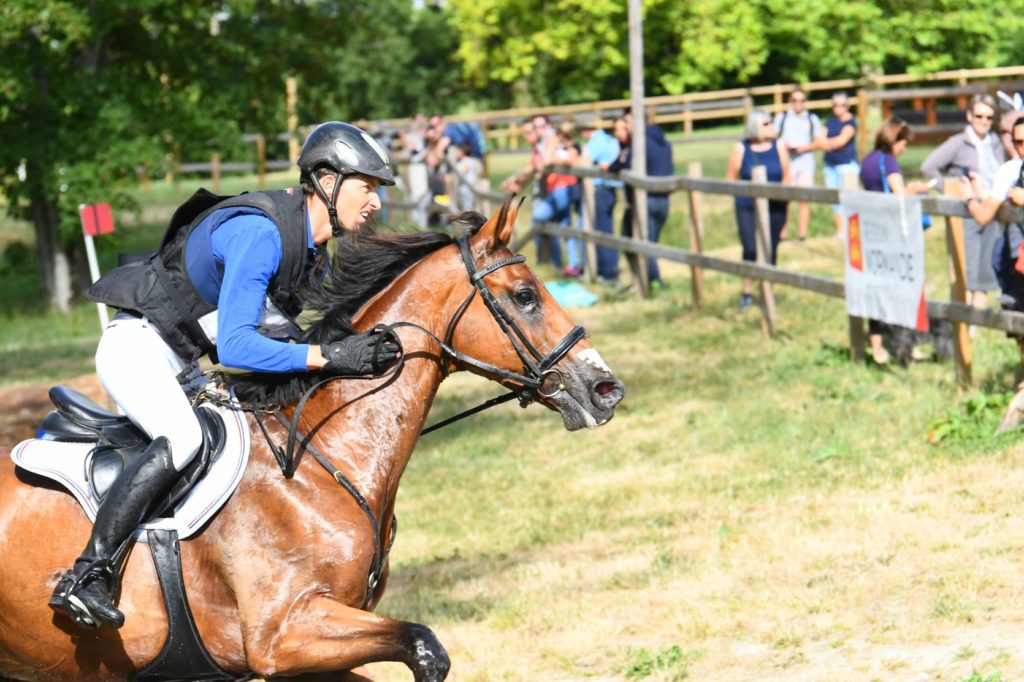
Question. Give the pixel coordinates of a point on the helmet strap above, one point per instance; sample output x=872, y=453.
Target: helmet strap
x=331, y=202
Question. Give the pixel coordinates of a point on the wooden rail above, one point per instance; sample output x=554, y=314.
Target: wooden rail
x=951, y=208
x=502, y=127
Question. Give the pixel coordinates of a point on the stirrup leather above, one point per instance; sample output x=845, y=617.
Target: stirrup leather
x=64, y=597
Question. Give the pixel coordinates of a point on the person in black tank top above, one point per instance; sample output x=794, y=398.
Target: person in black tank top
x=760, y=147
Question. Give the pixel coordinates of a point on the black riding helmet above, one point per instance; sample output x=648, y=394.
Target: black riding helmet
x=346, y=150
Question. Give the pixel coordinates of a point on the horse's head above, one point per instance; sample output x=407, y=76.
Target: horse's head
x=512, y=323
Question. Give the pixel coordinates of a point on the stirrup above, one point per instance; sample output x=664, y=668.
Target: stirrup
x=64, y=597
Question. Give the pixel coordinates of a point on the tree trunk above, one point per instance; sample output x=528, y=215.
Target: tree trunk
x=51, y=262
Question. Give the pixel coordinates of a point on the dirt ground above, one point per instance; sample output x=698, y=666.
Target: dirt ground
x=24, y=407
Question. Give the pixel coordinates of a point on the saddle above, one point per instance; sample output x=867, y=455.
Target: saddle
x=78, y=419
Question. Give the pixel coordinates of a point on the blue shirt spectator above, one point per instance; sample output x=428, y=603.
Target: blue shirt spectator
x=604, y=150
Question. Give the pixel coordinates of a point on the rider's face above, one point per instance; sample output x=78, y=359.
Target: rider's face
x=357, y=200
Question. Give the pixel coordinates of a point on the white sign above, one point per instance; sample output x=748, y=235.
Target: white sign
x=885, y=258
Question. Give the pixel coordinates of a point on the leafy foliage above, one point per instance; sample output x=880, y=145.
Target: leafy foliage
x=567, y=50
x=94, y=92
x=973, y=422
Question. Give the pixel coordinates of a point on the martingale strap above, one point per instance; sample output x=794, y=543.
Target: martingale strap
x=536, y=368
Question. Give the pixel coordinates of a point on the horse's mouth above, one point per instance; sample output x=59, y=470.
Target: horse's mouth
x=587, y=398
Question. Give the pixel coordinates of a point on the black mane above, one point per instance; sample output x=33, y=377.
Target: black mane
x=362, y=265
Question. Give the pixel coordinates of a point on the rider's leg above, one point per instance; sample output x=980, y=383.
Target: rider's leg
x=91, y=585
x=139, y=372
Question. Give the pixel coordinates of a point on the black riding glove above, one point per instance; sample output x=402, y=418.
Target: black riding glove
x=355, y=354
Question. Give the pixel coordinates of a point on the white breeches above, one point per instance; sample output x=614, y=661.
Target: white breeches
x=139, y=371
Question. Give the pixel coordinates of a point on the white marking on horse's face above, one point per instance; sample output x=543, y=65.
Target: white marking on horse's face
x=593, y=358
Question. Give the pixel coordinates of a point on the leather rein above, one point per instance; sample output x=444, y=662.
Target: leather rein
x=536, y=369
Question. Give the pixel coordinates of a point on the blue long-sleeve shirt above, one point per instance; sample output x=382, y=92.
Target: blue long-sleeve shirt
x=603, y=149
x=231, y=257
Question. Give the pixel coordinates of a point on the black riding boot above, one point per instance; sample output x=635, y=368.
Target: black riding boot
x=87, y=592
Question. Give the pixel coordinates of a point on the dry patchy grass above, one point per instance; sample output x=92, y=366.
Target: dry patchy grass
x=759, y=510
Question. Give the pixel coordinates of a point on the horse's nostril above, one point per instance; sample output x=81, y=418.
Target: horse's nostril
x=608, y=393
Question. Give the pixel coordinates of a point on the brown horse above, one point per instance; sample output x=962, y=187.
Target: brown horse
x=278, y=580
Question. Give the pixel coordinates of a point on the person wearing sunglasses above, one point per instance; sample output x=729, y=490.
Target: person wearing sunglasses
x=760, y=147
x=977, y=150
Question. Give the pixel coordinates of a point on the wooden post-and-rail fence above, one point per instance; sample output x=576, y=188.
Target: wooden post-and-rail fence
x=955, y=310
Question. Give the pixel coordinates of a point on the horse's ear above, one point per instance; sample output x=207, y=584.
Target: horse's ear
x=497, y=231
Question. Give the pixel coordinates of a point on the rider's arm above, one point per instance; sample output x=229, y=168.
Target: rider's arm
x=250, y=249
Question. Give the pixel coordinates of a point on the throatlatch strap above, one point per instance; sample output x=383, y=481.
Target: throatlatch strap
x=183, y=657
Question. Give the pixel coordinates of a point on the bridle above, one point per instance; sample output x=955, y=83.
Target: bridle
x=536, y=369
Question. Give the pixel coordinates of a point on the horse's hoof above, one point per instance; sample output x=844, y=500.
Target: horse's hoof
x=431, y=660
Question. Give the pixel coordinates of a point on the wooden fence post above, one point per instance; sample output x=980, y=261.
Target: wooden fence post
x=958, y=290
x=863, y=134
x=694, y=170
x=175, y=169
x=764, y=244
x=589, y=213
x=215, y=172
x=261, y=161
x=291, y=88
x=858, y=339
x=638, y=263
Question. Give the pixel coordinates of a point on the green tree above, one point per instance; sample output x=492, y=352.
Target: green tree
x=90, y=92
x=93, y=91
x=561, y=51
x=543, y=51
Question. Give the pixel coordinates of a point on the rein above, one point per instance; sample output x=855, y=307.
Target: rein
x=536, y=369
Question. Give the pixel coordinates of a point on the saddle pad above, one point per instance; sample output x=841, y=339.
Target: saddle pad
x=65, y=464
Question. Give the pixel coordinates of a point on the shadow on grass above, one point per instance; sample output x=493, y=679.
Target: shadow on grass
x=421, y=591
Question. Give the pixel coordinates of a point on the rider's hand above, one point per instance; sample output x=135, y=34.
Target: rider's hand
x=355, y=354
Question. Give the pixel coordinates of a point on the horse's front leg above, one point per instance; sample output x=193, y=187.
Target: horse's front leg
x=321, y=635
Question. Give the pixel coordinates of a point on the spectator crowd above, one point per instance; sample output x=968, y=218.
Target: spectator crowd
x=447, y=168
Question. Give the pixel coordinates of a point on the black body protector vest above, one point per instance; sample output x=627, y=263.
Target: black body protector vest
x=160, y=289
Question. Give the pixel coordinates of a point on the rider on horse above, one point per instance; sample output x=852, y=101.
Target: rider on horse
x=226, y=283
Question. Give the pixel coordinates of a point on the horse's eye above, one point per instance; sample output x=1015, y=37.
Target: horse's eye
x=524, y=297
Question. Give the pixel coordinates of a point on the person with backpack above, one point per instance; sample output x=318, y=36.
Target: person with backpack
x=798, y=129
x=225, y=282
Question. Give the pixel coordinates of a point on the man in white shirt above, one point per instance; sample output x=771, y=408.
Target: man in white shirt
x=797, y=128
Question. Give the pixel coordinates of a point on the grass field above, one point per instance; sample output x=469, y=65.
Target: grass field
x=757, y=510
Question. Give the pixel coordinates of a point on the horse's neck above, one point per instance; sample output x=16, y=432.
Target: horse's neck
x=372, y=426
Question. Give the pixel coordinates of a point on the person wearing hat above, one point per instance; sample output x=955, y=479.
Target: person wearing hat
x=224, y=283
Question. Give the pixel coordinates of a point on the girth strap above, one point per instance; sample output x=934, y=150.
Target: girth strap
x=183, y=657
